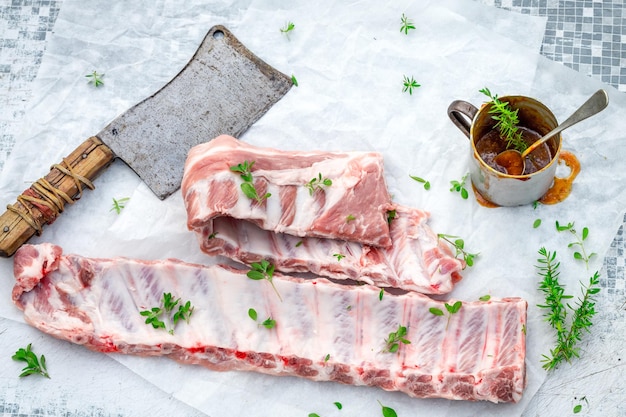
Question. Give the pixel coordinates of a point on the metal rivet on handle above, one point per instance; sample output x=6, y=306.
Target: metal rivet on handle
x=84, y=156
x=6, y=229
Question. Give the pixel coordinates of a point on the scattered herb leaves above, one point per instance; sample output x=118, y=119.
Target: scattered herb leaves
x=459, y=187
x=421, y=180
x=34, y=365
x=167, y=306
x=507, y=121
x=450, y=309
x=579, y=407
x=557, y=310
x=95, y=79
x=409, y=84
x=407, y=24
x=388, y=411
x=317, y=183
x=263, y=270
x=459, y=245
x=582, y=255
x=395, y=338
x=118, y=205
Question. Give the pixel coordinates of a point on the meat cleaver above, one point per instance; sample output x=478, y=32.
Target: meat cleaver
x=223, y=89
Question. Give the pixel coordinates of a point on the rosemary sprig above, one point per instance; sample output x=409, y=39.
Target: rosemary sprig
x=95, y=79
x=263, y=270
x=459, y=246
x=409, y=84
x=407, y=24
x=34, y=365
x=582, y=255
x=507, y=122
x=395, y=338
x=119, y=204
x=557, y=311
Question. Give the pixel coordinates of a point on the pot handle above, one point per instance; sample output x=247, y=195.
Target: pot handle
x=462, y=113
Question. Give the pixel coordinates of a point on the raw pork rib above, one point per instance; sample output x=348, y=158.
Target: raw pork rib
x=324, y=331
x=416, y=261
x=358, y=189
x=298, y=232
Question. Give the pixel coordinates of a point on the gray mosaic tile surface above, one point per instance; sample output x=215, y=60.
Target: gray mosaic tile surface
x=586, y=35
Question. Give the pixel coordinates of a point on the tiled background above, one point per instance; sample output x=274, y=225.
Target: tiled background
x=586, y=35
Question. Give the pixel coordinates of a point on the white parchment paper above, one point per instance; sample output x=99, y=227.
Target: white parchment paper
x=349, y=59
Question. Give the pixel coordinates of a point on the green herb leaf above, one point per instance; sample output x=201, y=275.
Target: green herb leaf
x=485, y=298
x=34, y=365
x=314, y=415
x=269, y=323
x=537, y=223
x=421, y=180
x=395, y=339
x=289, y=26
x=387, y=411
x=300, y=242
x=507, y=122
x=294, y=81
x=391, y=214
x=349, y=218
x=263, y=270
x=95, y=79
x=252, y=314
x=459, y=246
x=407, y=24
x=557, y=310
x=436, y=311
x=317, y=183
x=327, y=357
x=381, y=294
x=118, y=205
x=338, y=405
x=339, y=256
x=459, y=186
x=577, y=409
x=409, y=84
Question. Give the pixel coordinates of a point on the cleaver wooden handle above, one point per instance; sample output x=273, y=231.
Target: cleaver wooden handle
x=46, y=198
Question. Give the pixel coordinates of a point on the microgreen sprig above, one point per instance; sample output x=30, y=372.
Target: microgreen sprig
x=161, y=317
x=317, y=183
x=409, y=84
x=289, y=27
x=247, y=186
x=407, y=24
x=95, y=79
x=34, y=365
x=459, y=187
x=507, y=121
x=557, y=310
x=459, y=246
x=582, y=255
x=422, y=181
x=263, y=270
x=119, y=204
x=395, y=338
x=450, y=309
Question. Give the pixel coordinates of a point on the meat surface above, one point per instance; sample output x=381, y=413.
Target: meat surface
x=416, y=261
x=210, y=189
x=324, y=331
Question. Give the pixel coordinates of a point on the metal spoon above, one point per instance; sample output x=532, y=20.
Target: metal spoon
x=513, y=161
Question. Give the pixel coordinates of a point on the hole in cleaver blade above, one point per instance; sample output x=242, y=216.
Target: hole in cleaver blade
x=223, y=89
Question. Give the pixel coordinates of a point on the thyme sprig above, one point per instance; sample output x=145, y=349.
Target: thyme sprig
x=582, y=255
x=409, y=84
x=318, y=183
x=247, y=186
x=394, y=339
x=263, y=270
x=459, y=246
x=507, y=122
x=161, y=317
x=557, y=310
x=95, y=79
x=119, y=204
x=34, y=365
x=407, y=24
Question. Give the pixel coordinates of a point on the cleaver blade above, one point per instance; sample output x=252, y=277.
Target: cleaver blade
x=223, y=89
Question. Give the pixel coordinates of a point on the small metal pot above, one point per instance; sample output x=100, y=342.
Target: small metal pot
x=496, y=187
